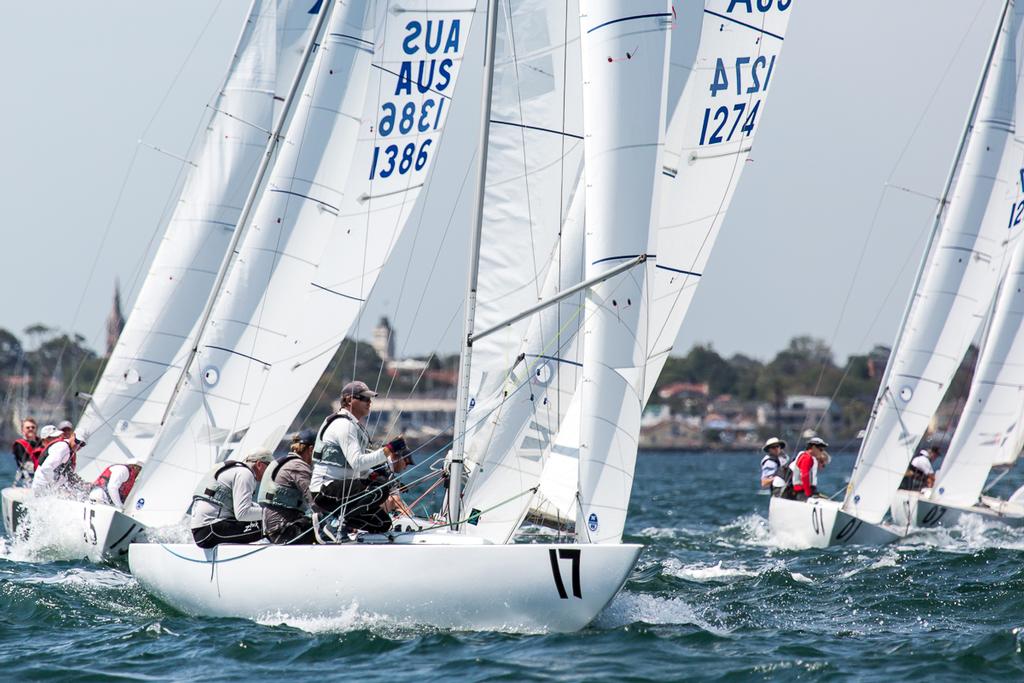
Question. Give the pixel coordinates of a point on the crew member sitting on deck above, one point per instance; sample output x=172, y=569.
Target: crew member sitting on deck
x=115, y=483
x=774, y=463
x=921, y=472
x=223, y=509
x=26, y=452
x=284, y=493
x=805, y=468
x=342, y=464
x=57, y=462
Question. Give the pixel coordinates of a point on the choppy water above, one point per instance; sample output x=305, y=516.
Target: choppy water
x=714, y=599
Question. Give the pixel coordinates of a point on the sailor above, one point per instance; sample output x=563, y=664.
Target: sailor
x=115, y=483
x=66, y=428
x=921, y=472
x=223, y=509
x=774, y=463
x=805, y=468
x=26, y=451
x=343, y=460
x=284, y=493
x=57, y=461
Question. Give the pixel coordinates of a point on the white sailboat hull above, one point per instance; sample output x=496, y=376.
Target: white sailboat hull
x=528, y=587
x=913, y=509
x=820, y=523
x=103, y=531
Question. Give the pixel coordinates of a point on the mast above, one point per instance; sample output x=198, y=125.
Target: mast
x=250, y=201
x=939, y=216
x=462, y=397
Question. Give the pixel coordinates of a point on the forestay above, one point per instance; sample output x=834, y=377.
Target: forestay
x=624, y=47
x=131, y=396
x=953, y=292
x=357, y=153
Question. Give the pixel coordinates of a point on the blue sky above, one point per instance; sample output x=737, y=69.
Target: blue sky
x=866, y=93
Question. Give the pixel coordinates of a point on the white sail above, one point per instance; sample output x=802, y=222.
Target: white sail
x=736, y=57
x=990, y=433
x=625, y=64
x=707, y=145
x=131, y=395
x=952, y=295
x=357, y=153
x=512, y=440
x=535, y=159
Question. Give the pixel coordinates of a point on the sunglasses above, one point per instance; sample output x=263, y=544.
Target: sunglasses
x=364, y=399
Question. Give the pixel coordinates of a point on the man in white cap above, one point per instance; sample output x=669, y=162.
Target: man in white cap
x=343, y=462
x=223, y=507
x=57, y=462
x=115, y=483
x=774, y=463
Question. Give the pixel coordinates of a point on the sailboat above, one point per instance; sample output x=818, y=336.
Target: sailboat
x=125, y=411
x=952, y=294
x=432, y=576
x=989, y=435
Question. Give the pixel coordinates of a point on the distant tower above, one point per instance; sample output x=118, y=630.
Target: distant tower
x=384, y=340
x=115, y=321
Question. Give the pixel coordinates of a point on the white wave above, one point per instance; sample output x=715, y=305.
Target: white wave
x=971, y=533
x=891, y=558
x=629, y=608
x=55, y=531
x=797, y=576
x=752, y=530
x=84, y=578
x=704, y=572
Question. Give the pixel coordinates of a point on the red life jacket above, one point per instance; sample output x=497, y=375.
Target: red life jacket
x=30, y=450
x=124, y=489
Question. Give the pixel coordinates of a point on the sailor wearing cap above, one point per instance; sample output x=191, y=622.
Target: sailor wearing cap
x=284, y=493
x=343, y=461
x=223, y=509
x=57, y=462
x=115, y=483
x=66, y=428
x=774, y=463
x=805, y=468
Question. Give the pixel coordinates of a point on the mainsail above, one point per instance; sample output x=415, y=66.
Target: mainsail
x=358, y=150
x=624, y=47
x=954, y=289
x=130, y=398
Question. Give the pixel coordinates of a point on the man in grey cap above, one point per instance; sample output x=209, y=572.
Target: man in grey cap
x=774, y=464
x=284, y=493
x=343, y=462
x=223, y=509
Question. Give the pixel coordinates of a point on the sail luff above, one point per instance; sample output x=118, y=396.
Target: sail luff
x=953, y=295
x=625, y=47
